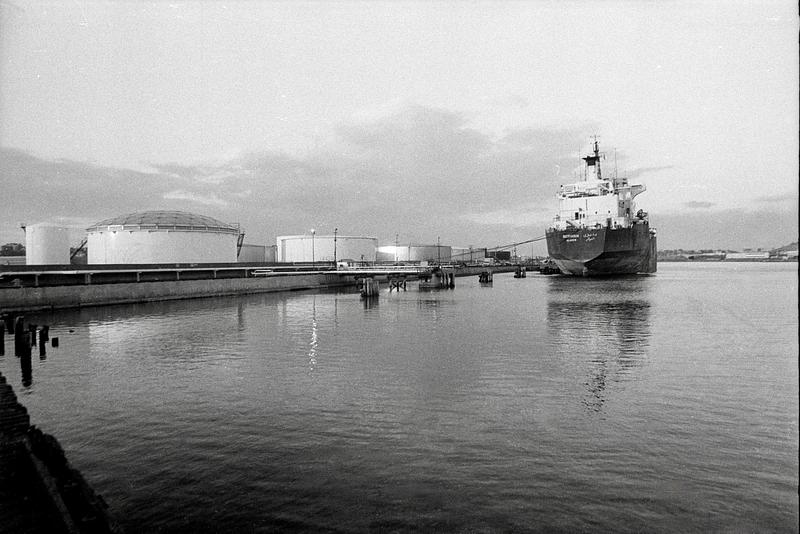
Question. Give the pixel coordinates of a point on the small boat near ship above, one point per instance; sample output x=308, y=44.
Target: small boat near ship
x=548, y=266
x=598, y=231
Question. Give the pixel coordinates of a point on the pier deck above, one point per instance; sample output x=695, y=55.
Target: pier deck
x=56, y=287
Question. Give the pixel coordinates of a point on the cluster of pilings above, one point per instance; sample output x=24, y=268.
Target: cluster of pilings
x=397, y=283
x=25, y=337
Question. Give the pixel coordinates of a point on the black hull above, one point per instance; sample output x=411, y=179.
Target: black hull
x=603, y=251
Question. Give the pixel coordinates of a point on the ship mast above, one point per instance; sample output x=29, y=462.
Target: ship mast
x=594, y=159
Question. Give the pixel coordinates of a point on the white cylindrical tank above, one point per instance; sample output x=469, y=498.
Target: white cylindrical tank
x=46, y=244
x=162, y=237
x=414, y=253
x=313, y=247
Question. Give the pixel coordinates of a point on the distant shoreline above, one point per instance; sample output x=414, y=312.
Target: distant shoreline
x=720, y=260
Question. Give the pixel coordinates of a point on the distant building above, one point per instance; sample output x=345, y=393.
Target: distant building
x=747, y=256
x=499, y=255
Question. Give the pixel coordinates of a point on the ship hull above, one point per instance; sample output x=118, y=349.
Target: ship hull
x=603, y=251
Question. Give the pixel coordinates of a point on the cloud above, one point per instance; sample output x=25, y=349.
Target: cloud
x=733, y=229
x=420, y=172
x=696, y=204
x=38, y=190
x=407, y=169
x=528, y=215
x=637, y=173
x=204, y=200
x=780, y=198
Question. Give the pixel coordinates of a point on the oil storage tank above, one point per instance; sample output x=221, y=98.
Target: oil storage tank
x=46, y=244
x=414, y=253
x=326, y=248
x=162, y=237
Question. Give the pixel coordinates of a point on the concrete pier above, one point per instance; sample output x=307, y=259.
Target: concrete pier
x=57, y=289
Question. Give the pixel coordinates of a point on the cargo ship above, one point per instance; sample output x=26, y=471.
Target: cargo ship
x=598, y=231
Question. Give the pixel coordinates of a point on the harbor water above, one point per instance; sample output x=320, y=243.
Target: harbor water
x=658, y=403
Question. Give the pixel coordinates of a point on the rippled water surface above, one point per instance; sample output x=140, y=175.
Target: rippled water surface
x=661, y=403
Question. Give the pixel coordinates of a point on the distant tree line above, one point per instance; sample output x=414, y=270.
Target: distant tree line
x=12, y=249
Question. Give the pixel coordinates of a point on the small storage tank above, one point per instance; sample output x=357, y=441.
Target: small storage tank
x=250, y=253
x=162, y=237
x=46, y=244
x=414, y=253
x=323, y=248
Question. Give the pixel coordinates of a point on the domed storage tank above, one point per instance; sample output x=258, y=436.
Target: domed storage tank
x=414, y=253
x=314, y=247
x=46, y=244
x=162, y=237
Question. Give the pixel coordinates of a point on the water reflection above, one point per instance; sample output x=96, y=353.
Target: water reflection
x=240, y=316
x=603, y=325
x=27, y=370
x=312, y=350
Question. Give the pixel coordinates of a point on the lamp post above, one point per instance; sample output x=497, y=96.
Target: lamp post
x=313, y=259
x=335, y=232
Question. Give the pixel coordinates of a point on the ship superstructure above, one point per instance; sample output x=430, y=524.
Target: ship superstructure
x=598, y=230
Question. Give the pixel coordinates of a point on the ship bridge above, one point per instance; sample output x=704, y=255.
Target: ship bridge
x=589, y=188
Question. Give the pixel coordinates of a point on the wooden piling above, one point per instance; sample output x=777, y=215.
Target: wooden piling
x=19, y=335
x=8, y=320
x=26, y=368
x=25, y=345
x=2, y=338
x=369, y=287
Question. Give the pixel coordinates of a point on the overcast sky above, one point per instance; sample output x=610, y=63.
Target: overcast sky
x=425, y=120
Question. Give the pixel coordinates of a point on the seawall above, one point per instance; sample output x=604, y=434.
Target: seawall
x=74, y=296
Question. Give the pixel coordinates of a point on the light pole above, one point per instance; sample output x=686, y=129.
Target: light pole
x=313, y=259
x=335, y=232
